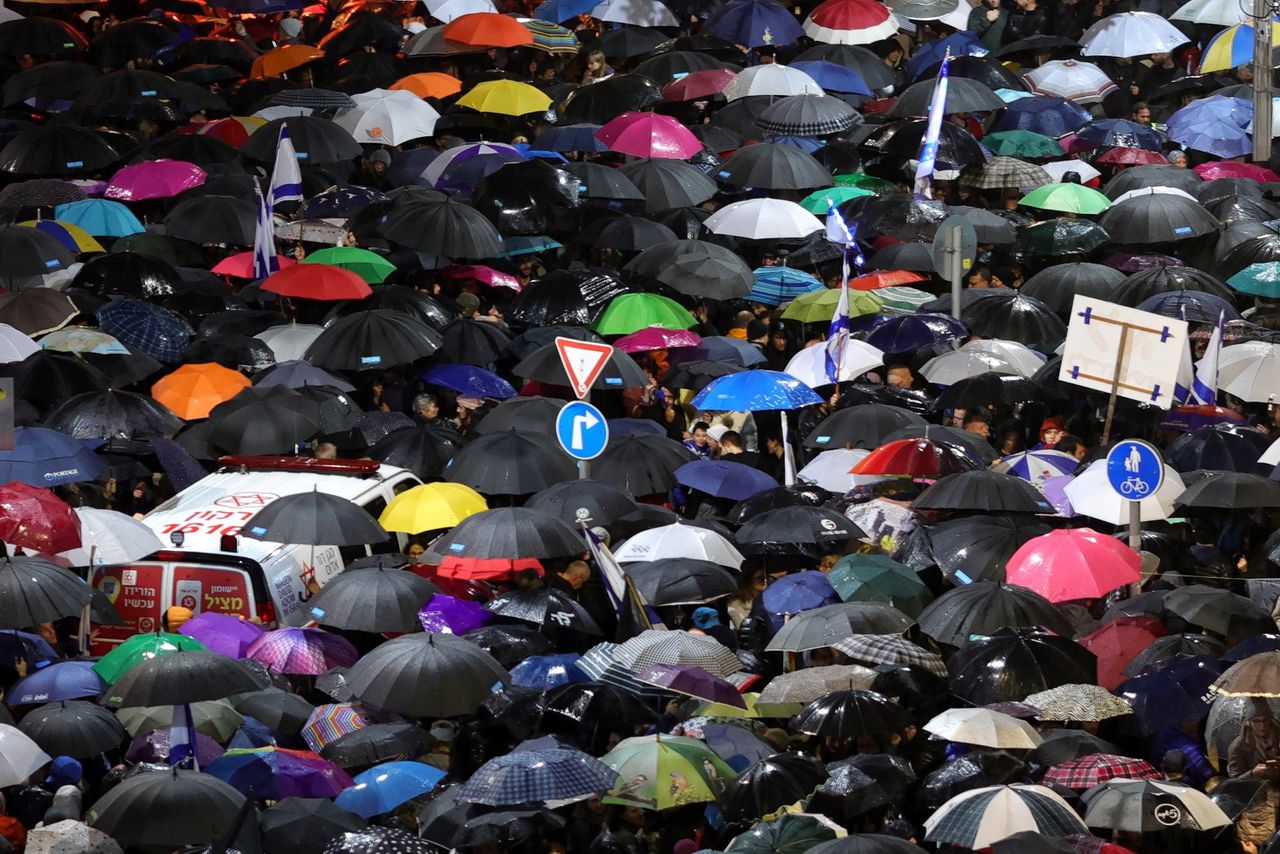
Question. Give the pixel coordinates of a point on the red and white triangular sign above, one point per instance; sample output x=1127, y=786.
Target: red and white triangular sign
x=583, y=361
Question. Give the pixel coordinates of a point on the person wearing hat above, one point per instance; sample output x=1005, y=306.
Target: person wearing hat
x=707, y=622
x=1255, y=755
x=289, y=31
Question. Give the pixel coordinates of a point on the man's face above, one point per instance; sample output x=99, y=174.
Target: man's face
x=979, y=428
x=1143, y=116
x=429, y=409
x=979, y=280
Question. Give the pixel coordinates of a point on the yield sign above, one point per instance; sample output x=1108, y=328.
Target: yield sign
x=583, y=361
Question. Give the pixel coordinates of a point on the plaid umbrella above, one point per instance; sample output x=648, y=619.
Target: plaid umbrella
x=891, y=649
x=651, y=648
x=1078, y=703
x=977, y=818
x=302, y=652
x=334, y=720
x=1008, y=172
x=528, y=776
x=147, y=327
x=1096, y=769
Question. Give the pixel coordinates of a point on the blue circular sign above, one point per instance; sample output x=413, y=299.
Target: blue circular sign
x=582, y=430
x=1134, y=469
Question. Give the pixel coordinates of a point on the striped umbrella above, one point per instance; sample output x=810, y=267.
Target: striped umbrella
x=1082, y=82
x=980, y=817
x=550, y=37
x=70, y=235
x=776, y=285
x=850, y=22
x=1078, y=703
x=1037, y=466
x=331, y=721
x=1233, y=47
x=891, y=649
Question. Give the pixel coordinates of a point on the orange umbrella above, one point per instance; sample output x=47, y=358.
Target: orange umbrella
x=287, y=57
x=193, y=390
x=487, y=29
x=885, y=279
x=429, y=84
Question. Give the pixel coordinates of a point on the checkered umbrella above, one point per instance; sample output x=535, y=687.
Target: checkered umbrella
x=1008, y=173
x=652, y=647
x=147, y=327
x=528, y=776
x=807, y=115
x=1078, y=703
x=980, y=817
x=302, y=652
x=311, y=99
x=1096, y=769
x=40, y=192
x=891, y=649
x=334, y=720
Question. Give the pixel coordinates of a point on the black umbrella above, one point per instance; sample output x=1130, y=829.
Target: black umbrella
x=317, y=140
x=229, y=349
x=984, y=607
x=956, y=146
x=511, y=532
x=510, y=645
x=314, y=518
x=671, y=65
x=415, y=303
x=862, y=426
x=269, y=420
x=1016, y=317
x=1229, y=490
x=770, y=783
x=213, y=219
x=74, y=728
x=1060, y=236
x=851, y=714
x=372, y=600
x=903, y=217
x=591, y=711
x=282, y=711
x=376, y=743
x=1145, y=284
x=139, y=38
x=669, y=184
x=112, y=414
x=963, y=96
x=547, y=607
x=681, y=581
x=504, y=828
x=1141, y=177
x=772, y=167
x=971, y=771
x=742, y=115
x=305, y=825
x=573, y=297
x=1221, y=447
x=338, y=412
x=976, y=546
x=372, y=340
x=789, y=530
x=892, y=773
x=527, y=198
x=27, y=252
x=575, y=502
x=798, y=495
x=510, y=463
x=988, y=389
x=831, y=623
x=1012, y=663
x=372, y=428
x=179, y=678
x=983, y=490
x=808, y=115
x=40, y=37
x=695, y=268
x=56, y=149
x=1162, y=651
x=1157, y=218
x=597, y=181
x=1063, y=745
x=860, y=58
x=48, y=377
x=448, y=228
x=404, y=675
x=423, y=449
x=619, y=372
x=379, y=840
x=529, y=414
x=628, y=233
x=40, y=192
x=695, y=376
x=641, y=464
x=167, y=809
x=1055, y=286
x=1220, y=611
x=629, y=41
x=608, y=99
x=989, y=226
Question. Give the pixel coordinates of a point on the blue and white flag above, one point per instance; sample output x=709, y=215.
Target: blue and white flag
x=286, y=177
x=633, y=612
x=838, y=233
x=1204, y=388
x=182, y=739
x=265, y=260
x=929, y=147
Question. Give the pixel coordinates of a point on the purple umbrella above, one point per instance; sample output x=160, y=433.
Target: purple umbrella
x=276, y=772
x=224, y=633
x=153, y=746
x=302, y=652
x=693, y=681
x=453, y=616
x=1055, y=489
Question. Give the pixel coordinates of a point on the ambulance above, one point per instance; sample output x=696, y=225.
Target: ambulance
x=210, y=567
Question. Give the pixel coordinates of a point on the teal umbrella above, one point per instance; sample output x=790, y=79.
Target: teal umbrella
x=1260, y=280
x=878, y=578
x=99, y=217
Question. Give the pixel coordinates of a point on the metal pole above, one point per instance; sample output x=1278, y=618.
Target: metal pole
x=1263, y=74
x=584, y=466
x=1135, y=539
x=954, y=268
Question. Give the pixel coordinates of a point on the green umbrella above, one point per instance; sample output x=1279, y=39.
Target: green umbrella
x=818, y=202
x=660, y=771
x=1061, y=237
x=370, y=266
x=217, y=719
x=904, y=298
x=866, y=182
x=790, y=833
x=1260, y=280
x=632, y=312
x=877, y=578
x=1022, y=143
x=818, y=306
x=138, y=648
x=1067, y=198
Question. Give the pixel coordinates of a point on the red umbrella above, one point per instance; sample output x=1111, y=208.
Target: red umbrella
x=1131, y=157
x=885, y=279
x=1073, y=564
x=318, y=282
x=850, y=22
x=699, y=84
x=240, y=265
x=1096, y=769
x=1231, y=169
x=913, y=458
x=486, y=569
x=1118, y=643
x=1187, y=419
x=37, y=519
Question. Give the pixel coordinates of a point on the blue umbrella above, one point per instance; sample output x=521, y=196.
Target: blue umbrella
x=579, y=137
x=295, y=373
x=1172, y=695
x=406, y=167
x=913, y=331
x=62, y=680
x=513, y=246
x=754, y=23
x=776, y=285
x=1122, y=133
x=754, y=391
x=735, y=745
x=963, y=43
x=1044, y=114
x=724, y=479
x=252, y=733
x=834, y=77
x=1216, y=125
x=32, y=648
x=153, y=329
x=800, y=591
x=384, y=787
x=807, y=144
x=531, y=776
x=46, y=458
x=1192, y=305
x=100, y=217
x=469, y=380
x=562, y=10
x=545, y=672
x=719, y=348
x=340, y=202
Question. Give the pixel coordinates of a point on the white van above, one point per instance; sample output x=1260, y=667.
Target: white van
x=212, y=568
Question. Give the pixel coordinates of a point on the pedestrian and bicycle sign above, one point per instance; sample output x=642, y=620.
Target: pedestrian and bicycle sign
x=1134, y=469
x=582, y=430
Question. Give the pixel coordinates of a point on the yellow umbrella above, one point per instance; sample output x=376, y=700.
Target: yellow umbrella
x=430, y=507
x=68, y=234
x=506, y=97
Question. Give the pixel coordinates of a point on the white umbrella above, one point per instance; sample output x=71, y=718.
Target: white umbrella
x=1131, y=34
x=1082, y=82
x=1250, y=371
x=639, y=13
x=1025, y=360
x=1091, y=495
x=761, y=219
x=447, y=10
x=1221, y=13
x=856, y=358
x=70, y=837
x=1271, y=456
x=679, y=541
x=20, y=757
x=772, y=79
x=1037, y=467
x=982, y=817
x=830, y=470
x=985, y=728
x=15, y=345
x=1130, y=805
x=1153, y=191
x=7, y=14
x=950, y=368
x=111, y=537
x=1058, y=168
x=388, y=117
x=290, y=341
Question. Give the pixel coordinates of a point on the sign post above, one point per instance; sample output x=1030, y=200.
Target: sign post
x=954, y=248
x=582, y=429
x=7, y=410
x=1135, y=471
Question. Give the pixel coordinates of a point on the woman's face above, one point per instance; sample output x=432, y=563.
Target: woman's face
x=778, y=341
x=415, y=552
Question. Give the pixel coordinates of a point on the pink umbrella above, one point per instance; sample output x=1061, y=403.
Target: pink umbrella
x=699, y=84
x=656, y=338
x=482, y=274
x=154, y=179
x=1230, y=169
x=649, y=135
x=1073, y=564
x=240, y=265
x=302, y=652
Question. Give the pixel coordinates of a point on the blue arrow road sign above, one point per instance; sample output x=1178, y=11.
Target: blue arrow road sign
x=1134, y=469
x=582, y=430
